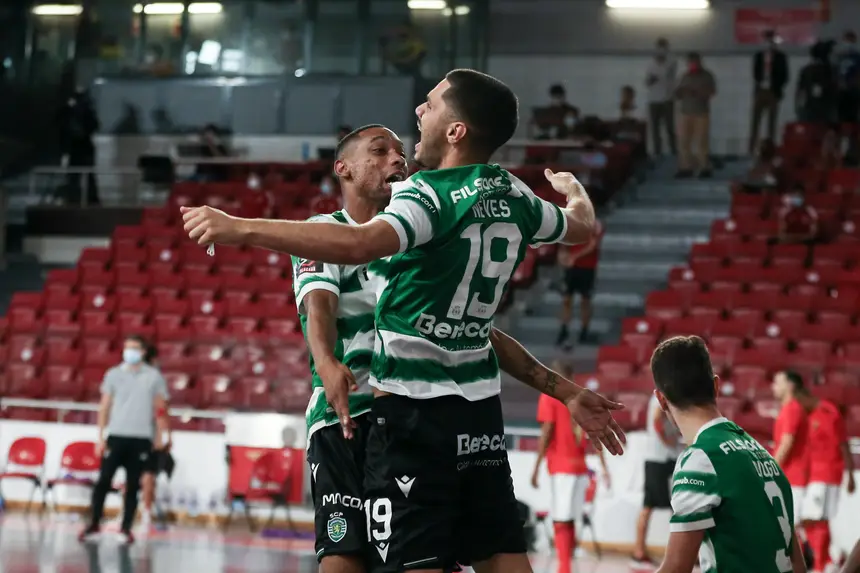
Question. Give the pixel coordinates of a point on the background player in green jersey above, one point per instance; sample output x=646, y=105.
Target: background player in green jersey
x=437, y=475
x=731, y=502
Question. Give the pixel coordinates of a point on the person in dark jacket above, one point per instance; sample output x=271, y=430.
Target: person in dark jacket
x=848, y=75
x=815, y=96
x=770, y=72
x=78, y=124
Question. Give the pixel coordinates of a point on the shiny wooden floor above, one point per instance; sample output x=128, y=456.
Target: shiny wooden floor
x=35, y=545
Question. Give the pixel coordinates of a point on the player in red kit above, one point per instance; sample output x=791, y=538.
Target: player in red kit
x=563, y=446
x=790, y=435
x=829, y=458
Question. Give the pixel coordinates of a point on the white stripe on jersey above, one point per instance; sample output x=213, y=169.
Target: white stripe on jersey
x=550, y=215
x=404, y=346
x=421, y=389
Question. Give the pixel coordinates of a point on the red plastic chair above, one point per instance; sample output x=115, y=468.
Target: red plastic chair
x=79, y=466
x=27, y=461
x=270, y=482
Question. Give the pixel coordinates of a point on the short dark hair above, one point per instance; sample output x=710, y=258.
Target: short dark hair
x=557, y=90
x=486, y=105
x=794, y=378
x=662, y=43
x=139, y=339
x=350, y=137
x=150, y=355
x=694, y=57
x=682, y=371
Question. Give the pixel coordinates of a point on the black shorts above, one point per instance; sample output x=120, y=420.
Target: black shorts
x=438, y=484
x=156, y=463
x=337, y=476
x=579, y=281
x=658, y=488
x=848, y=106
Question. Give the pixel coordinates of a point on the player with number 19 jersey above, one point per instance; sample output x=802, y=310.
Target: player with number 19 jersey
x=437, y=478
x=727, y=484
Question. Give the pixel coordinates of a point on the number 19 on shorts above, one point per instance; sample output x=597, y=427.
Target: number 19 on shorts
x=378, y=516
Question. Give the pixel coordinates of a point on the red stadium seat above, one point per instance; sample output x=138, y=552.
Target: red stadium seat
x=26, y=461
x=218, y=391
x=618, y=361
x=663, y=305
x=63, y=384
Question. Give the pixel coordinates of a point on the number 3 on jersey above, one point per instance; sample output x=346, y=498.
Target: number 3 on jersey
x=480, y=247
x=783, y=556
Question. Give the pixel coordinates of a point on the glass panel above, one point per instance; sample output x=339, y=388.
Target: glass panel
x=118, y=33
x=335, y=35
x=54, y=38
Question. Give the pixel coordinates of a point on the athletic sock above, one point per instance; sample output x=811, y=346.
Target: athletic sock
x=818, y=533
x=564, y=542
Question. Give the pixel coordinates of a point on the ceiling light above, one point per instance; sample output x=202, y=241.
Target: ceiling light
x=205, y=8
x=174, y=8
x=658, y=4
x=427, y=4
x=462, y=10
x=58, y=10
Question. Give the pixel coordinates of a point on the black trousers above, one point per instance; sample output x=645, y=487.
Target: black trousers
x=121, y=452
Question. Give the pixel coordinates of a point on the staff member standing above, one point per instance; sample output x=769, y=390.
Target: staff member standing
x=160, y=461
x=134, y=394
x=580, y=270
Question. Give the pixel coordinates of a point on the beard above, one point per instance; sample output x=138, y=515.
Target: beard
x=429, y=153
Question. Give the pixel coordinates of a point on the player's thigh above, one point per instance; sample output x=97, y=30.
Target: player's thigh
x=798, y=498
x=831, y=502
x=580, y=487
x=337, y=484
x=411, y=487
x=562, y=488
x=491, y=521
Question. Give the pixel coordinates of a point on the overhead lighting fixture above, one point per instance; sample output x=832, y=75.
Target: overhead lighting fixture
x=427, y=4
x=459, y=11
x=174, y=8
x=58, y=10
x=658, y=4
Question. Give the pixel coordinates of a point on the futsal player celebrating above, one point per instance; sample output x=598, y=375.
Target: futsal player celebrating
x=731, y=502
x=829, y=459
x=790, y=436
x=563, y=446
x=438, y=481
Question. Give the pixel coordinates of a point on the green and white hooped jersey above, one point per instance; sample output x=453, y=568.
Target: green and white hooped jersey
x=356, y=302
x=463, y=232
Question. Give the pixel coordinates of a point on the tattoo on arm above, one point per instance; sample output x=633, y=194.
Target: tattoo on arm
x=519, y=363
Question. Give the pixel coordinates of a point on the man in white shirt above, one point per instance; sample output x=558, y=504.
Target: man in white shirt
x=660, y=81
x=661, y=451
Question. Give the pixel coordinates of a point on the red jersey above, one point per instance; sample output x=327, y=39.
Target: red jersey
x=792, y=420
x=588, y=261
x=798, y=220
x=566, y=452
x=826, y=436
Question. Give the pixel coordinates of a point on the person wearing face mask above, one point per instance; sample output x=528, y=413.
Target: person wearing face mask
x=770, y=73
x=694, y=92
x=798, y=222
x=134, y=400
x=660, y=80
x=257, y=202
x=328, y=201
x=716, y=521
x=560, y=118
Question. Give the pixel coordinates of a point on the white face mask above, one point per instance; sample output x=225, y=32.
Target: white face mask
x=569, y=121
x=795, y=201
x=253, y=182
x=326, y=188
x=132, y=356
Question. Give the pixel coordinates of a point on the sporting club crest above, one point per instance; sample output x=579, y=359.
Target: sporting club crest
x=336, y=528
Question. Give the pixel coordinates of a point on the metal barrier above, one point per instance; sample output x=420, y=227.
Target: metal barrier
x=131, y=187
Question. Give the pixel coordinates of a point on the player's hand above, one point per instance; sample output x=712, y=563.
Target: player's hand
x=338, y=381
x=209, y=226
x=593, y=413
x=565, y=183
x=851, y=485
x=535, y=475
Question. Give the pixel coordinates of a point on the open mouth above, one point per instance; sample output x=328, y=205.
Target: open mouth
x=395, y=178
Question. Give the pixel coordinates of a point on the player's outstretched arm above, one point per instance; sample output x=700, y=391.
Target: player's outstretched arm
x=334, y=243
x=579, y=210
x=682, y=553
x=592, y=412
x=853, y=563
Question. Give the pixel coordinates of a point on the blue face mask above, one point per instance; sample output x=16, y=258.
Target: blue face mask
x=795, y=201
x=132, y=356
x=326, y=188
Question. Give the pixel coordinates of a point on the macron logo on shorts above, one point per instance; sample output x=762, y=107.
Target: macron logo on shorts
x=405, y=484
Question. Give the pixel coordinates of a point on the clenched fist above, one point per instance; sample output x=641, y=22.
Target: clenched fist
x=209, y=226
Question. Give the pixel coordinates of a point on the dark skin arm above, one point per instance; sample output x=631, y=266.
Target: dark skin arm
x=592, y=412
x=682, y=553
x=853, y=563
x=543, y=445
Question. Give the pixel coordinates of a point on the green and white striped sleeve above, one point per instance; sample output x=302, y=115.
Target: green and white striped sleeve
x=413, y=212
x=695, y=492
x=310, y=275
x=551, y=224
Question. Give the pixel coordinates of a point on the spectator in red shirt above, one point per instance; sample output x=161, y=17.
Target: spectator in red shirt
x=328, y=201
x=829, y=459
x=791, y=435
x=564, y=447
x=798, y=222
x=257, y=202
x=580, y=270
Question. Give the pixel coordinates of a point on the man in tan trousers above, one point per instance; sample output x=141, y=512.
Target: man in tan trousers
x=694, y=92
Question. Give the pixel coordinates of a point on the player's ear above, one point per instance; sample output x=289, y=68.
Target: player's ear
x=341, y=169
x=661, y=399
x=717, y=384
x=456, y=132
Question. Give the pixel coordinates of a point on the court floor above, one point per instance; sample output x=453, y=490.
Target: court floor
x=36, y=545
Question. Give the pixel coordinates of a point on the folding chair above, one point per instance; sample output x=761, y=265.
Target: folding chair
x=270, y=482
x=26, y=461
x=79, y=466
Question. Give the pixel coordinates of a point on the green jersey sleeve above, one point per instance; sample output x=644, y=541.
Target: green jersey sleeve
x=550, y=222
x=311, y=275
x=413, y=212
x=695, y=492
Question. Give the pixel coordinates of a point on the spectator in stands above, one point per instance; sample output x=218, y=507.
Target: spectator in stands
x=770, y=72
x=134, y=397
x=815, y=95
x=329, y=199
x=829, y=461
x=791, y=434
x=212, y=147
x=556, y=121
x=765, y=173
x=660, y=79
x=160, y=461
x=694, y=92
x=580, y=270
x=831, y=152
x=628, y=102
x=661, y=451
x=798, y=222
x=78, y=124
x=848, y=75
x=564, y=447
x=257, y=202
